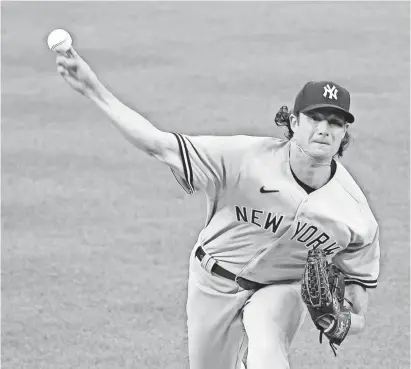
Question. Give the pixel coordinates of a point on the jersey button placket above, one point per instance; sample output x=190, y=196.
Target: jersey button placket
x=300, y=209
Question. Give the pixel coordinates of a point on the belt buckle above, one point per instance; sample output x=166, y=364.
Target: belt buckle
x=236, y=280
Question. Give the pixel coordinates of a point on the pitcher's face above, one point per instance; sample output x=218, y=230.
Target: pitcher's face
x=320, y=132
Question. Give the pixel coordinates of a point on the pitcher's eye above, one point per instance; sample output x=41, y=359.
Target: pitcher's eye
x=336, y=122
x=315, y=116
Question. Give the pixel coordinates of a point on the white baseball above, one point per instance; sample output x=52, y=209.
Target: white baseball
x=59, y=41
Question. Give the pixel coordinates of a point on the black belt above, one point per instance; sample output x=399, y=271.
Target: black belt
x=219, y=270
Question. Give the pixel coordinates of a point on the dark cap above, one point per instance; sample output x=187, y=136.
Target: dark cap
x=323, y=94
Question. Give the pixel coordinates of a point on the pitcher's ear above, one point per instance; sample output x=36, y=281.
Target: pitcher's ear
x=294, y=122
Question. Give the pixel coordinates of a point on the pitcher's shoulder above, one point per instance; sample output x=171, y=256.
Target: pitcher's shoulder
x=264, y=143
x=349, y=184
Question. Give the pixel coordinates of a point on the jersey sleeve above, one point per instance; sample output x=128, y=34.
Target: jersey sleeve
x=360, y=261
x=209, y=162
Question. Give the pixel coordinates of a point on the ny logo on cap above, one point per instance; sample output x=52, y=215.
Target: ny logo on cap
x=331, y=91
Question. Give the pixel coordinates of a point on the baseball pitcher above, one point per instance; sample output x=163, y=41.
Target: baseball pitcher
x=287, y=231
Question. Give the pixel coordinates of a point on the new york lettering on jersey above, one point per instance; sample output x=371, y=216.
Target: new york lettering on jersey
x=264, y=225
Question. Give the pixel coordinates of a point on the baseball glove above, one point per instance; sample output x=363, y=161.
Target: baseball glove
x=322, y=290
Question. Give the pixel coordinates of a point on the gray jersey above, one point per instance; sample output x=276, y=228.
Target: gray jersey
x=260, y=223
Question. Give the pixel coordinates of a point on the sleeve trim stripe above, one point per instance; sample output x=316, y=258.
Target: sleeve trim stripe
x=361, y=284
x=181, y=153
x=190, y=170
x=185, y=158
x=370, y=284
x=348, y=278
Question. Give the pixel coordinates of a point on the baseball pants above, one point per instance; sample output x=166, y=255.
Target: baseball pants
x=224, y=320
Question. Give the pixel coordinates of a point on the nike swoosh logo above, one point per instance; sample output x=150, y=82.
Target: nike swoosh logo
x=263, y=190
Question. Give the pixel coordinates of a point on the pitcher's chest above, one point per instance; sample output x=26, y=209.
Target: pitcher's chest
x=268, y=187
x=269, y=197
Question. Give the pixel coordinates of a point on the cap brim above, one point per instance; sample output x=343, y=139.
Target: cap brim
x=349, y=116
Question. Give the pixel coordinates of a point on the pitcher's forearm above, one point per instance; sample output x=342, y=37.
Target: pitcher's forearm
x=358, y=296
x=135, y=128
